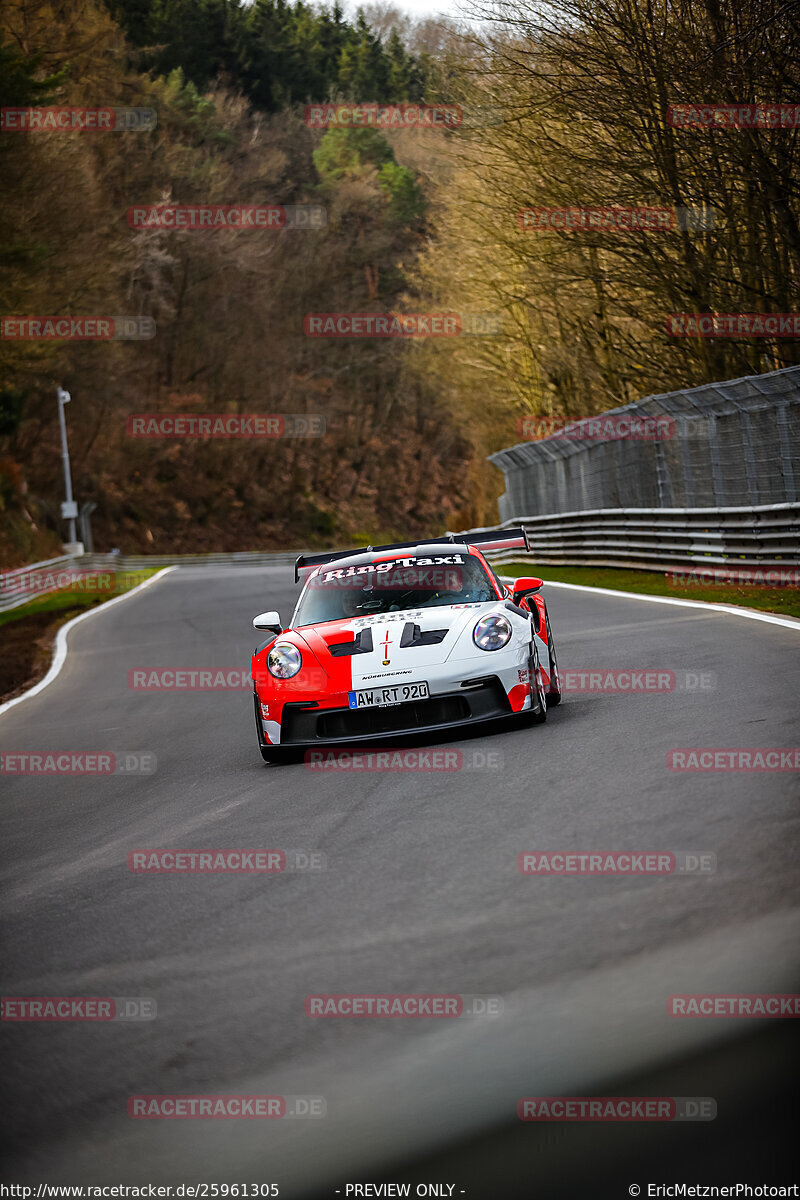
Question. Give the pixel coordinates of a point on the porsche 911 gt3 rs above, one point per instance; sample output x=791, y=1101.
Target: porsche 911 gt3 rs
x=403, y=639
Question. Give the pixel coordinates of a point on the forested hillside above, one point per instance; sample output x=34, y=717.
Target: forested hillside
x=564, y=106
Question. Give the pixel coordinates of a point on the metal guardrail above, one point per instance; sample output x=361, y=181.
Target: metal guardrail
x=20, y=586
x=139, y=562
x=657, y=539
x=27, y=583
x=766, y=536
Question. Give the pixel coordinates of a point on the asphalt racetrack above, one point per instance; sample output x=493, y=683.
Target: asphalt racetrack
x=420, y=893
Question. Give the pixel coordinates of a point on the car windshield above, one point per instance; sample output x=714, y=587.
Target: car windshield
x=336, y=594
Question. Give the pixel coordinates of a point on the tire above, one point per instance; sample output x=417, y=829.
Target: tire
x=538, y=711
x=554, y=691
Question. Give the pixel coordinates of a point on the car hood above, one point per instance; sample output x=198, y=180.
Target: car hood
x=396, y=642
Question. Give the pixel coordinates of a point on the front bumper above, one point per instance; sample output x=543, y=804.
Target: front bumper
x=303, y=724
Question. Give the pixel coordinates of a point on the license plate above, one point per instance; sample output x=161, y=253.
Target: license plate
x=399, y=693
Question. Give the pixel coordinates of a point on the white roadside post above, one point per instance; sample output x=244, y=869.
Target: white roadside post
x=69, y=509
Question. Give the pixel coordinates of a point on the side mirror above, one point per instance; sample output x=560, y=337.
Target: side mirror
x=526, y=586
x=268, y=622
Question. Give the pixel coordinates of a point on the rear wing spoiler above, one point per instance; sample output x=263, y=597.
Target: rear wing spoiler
x=484, y=539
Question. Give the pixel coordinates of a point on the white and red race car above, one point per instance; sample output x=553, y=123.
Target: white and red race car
x=399, y=640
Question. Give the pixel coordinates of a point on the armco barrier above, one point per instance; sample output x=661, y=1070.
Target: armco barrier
x=17, y=588
x=655, y=539
x=765, y=536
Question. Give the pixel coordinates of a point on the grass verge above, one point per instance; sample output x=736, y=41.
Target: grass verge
x=782, y=600
x=27, y=633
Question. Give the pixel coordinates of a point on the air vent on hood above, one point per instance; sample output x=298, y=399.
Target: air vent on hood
x=362, y=644
x=414, y=636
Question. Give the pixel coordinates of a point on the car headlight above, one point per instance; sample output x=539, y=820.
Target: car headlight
x=284, y=660
x=492, y=632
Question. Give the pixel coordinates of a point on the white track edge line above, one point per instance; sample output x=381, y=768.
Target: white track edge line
x=60, y=655
x=731, y=609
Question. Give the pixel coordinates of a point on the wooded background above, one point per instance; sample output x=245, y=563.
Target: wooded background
x=564, y=105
